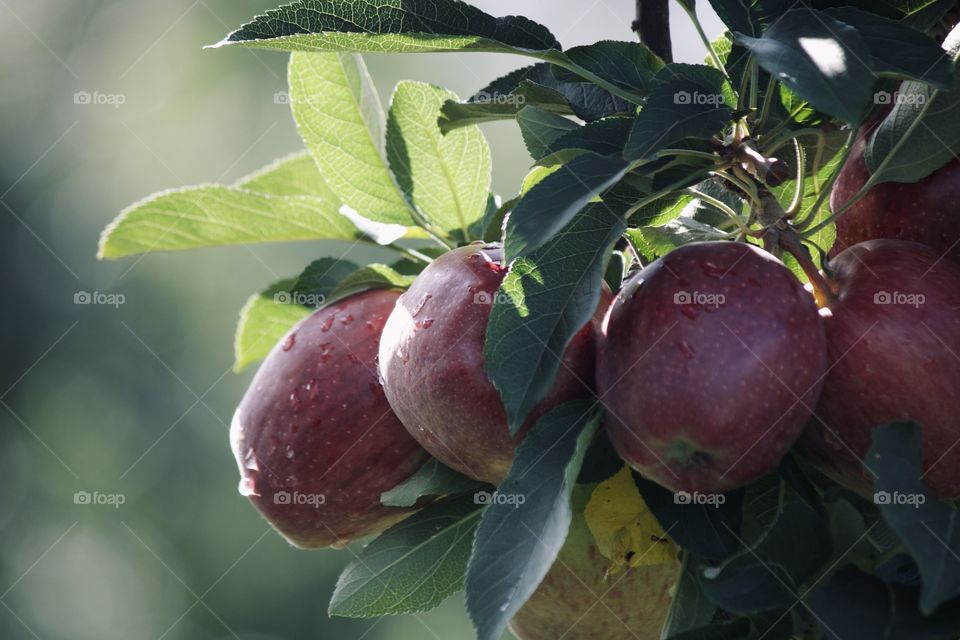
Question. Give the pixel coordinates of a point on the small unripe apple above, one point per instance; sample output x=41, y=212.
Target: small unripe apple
x=314, y=436
x=710, y=363
x=431, y=363
x=893, y=334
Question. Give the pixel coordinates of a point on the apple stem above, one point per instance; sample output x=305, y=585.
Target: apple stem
x=788, y=239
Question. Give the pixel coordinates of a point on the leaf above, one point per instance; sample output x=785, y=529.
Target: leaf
x=213, y=215
x=623, y=526
x=605, y=137
x=338, y=115
x=688, y=102
x=735, y=630
x=916, y=56
x=704, y=529
x=293, y=175
x=372, y=276
x=630, y=65
x=544, y=300
x=267, y=316
x=541, y=128
x=390, y=26
x=821, y=59
x=483, y=107
x=653, y=242
x=518, y=540
x=447, y=177
x=552, y=203
x=750, y=17
x=929, y=529
x=935, y=140
x=412, y=566
x=432, y=479
x=690, y=609
x=768, y=575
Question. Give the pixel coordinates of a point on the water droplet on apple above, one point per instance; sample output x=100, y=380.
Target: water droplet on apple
x=289, y=342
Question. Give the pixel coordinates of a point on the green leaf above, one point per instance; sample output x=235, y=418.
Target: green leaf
x=546, y=298
x=527, y=522
x=267, y=316
x=447, y=177
x=483, y=107
x=929, y=529
x=915, y=57
x=213, y=215
x=689, y=101
x=821, y=59
x=652, y=242
x=750, y=17
x=630, y=65
x=338, y=115
x=768, y=575
x=390, y=26
x=606, y=137
x=293, y=175
x=372, y=276
x=413, y=566
x=432, y=479
x=689, y=609
x=541, y=128
x=553, y=202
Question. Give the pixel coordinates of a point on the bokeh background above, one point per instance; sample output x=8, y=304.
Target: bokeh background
x=134, y=400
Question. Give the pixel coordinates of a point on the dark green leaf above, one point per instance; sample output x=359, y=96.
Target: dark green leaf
x=690, y=609
x=736, y=630
x=525, y=526
x=929, y=529
x=750, y=17
x=432, y=479
x=540, y=129
x=630, y=65
x=606, y=137
x=372, y=276
x=552, y=203
x=413, y=566
x=821, y=59
x=547, y=297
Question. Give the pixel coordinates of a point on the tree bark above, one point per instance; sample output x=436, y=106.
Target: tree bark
x=653, y=27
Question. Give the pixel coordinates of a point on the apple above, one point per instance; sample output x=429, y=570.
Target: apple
x=710, y=362
x=578, y=601
x=431, y=364
x=314, y=436
x=893, y=335
x=924, y=211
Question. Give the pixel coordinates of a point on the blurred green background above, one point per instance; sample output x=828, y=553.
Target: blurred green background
x=134, y=400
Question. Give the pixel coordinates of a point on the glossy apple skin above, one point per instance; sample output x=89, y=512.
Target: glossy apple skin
x=927, y=211
x=576, y=601
x=704, y=396
x=890, y=362
x=315, y=421
x=431, y=365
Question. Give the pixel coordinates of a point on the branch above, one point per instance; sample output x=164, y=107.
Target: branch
x=653, y=27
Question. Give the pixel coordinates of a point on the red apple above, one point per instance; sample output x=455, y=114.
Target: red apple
x=893, y=335
x=314, y=436
x=431, y=363
x=927, y=211
x=710, y=364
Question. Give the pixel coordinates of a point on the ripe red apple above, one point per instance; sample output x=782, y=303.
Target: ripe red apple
x=578, y=601
x=710, y=364
x=314, y=436
x=431, y=364
x=893, y=335
x=927, y=211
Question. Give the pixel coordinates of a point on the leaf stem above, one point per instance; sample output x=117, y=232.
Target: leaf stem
x=722, y=206
x=767, y=103
x=676, y=186
x=711, y=51
x=825, y=190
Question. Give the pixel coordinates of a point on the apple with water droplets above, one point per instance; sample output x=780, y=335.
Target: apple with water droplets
x=710, y=363
x=314, y=436
x=431, y=364
x=893, y=334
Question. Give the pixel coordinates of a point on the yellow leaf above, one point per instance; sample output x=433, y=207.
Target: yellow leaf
x=624, y=529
